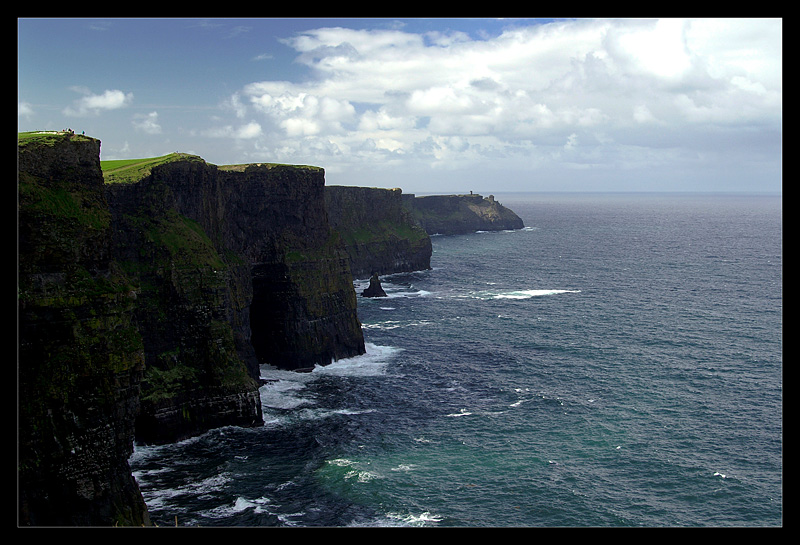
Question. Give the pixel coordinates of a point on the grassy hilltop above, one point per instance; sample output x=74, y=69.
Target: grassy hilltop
x=133, y=170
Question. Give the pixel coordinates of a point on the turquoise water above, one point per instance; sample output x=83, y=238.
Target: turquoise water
x=618, y=362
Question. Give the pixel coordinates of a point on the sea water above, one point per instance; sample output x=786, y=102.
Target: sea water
x=616, y=363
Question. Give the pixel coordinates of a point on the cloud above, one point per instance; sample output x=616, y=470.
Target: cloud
x=242, y=132
x=250, y=130
x=298, y=112
x=24, y=109
x=94, y=104
x=147, y=123
x=606, y=87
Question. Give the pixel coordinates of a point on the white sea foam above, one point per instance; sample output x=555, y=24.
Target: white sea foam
x=416, y=520
x=404, y=292
x=209, y=485
x=283, y=393
x=304, y=408
x=527, y=294
x=321, y=413
x=353, y=470
x=284, y=389
x=395, y=324
x=393, y=520
x=258, y=505
x=513, y=294
x=239, y=505
x=372, y=363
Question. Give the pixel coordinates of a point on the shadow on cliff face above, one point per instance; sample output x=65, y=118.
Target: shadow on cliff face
x=303, y=313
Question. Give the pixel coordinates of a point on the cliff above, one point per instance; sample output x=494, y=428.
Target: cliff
x=461, y=214
x=81, y=357
x=237, y=267
x=190, y=298
x=150, y=293
x=380, y=235
x=146, y=306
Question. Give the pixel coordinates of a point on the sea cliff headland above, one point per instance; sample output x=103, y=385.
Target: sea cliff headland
x=461, y=214
x=151, y=291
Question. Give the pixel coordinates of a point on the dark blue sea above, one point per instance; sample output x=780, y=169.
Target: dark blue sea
x=617, y=363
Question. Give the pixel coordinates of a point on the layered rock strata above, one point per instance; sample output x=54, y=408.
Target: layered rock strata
x=81, y=354
x=380, y=235
x=146, y=309
x=239, y=267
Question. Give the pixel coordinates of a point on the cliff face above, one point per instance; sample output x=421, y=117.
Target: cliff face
x=237, y=267
x=379, y=233
x=191, y=297
x=461, y=214
x=81, y=356
x=146, y=308
x=304, y=309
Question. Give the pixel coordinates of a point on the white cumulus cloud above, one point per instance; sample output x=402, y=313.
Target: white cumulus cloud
x=147, y=123
x=382, y=95
x=93, y=104
x=242, y=132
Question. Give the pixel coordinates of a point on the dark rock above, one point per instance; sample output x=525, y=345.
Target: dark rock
x=258, y=277
x=81, y=358
x=146, y=308
x=461, y=214
x=375, y=289
x=379, y=233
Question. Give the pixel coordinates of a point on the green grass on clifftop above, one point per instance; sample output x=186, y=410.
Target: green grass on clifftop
x=125, y=171
x=243, y=166
x=132, y=170
x=47, y=138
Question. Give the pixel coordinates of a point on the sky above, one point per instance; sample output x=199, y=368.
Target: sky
x=430, y=105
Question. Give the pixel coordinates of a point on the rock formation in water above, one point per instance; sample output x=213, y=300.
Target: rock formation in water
x=374, y=289
x=379, y=234
x=461, y=214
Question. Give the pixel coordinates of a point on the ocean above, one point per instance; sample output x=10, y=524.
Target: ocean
x=616, y=363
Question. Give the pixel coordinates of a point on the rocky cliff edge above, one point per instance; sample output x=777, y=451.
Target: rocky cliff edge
x=146, y=308
x=461, y=214
x=379, y=233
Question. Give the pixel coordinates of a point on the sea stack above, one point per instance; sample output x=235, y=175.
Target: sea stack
x=374, y=289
